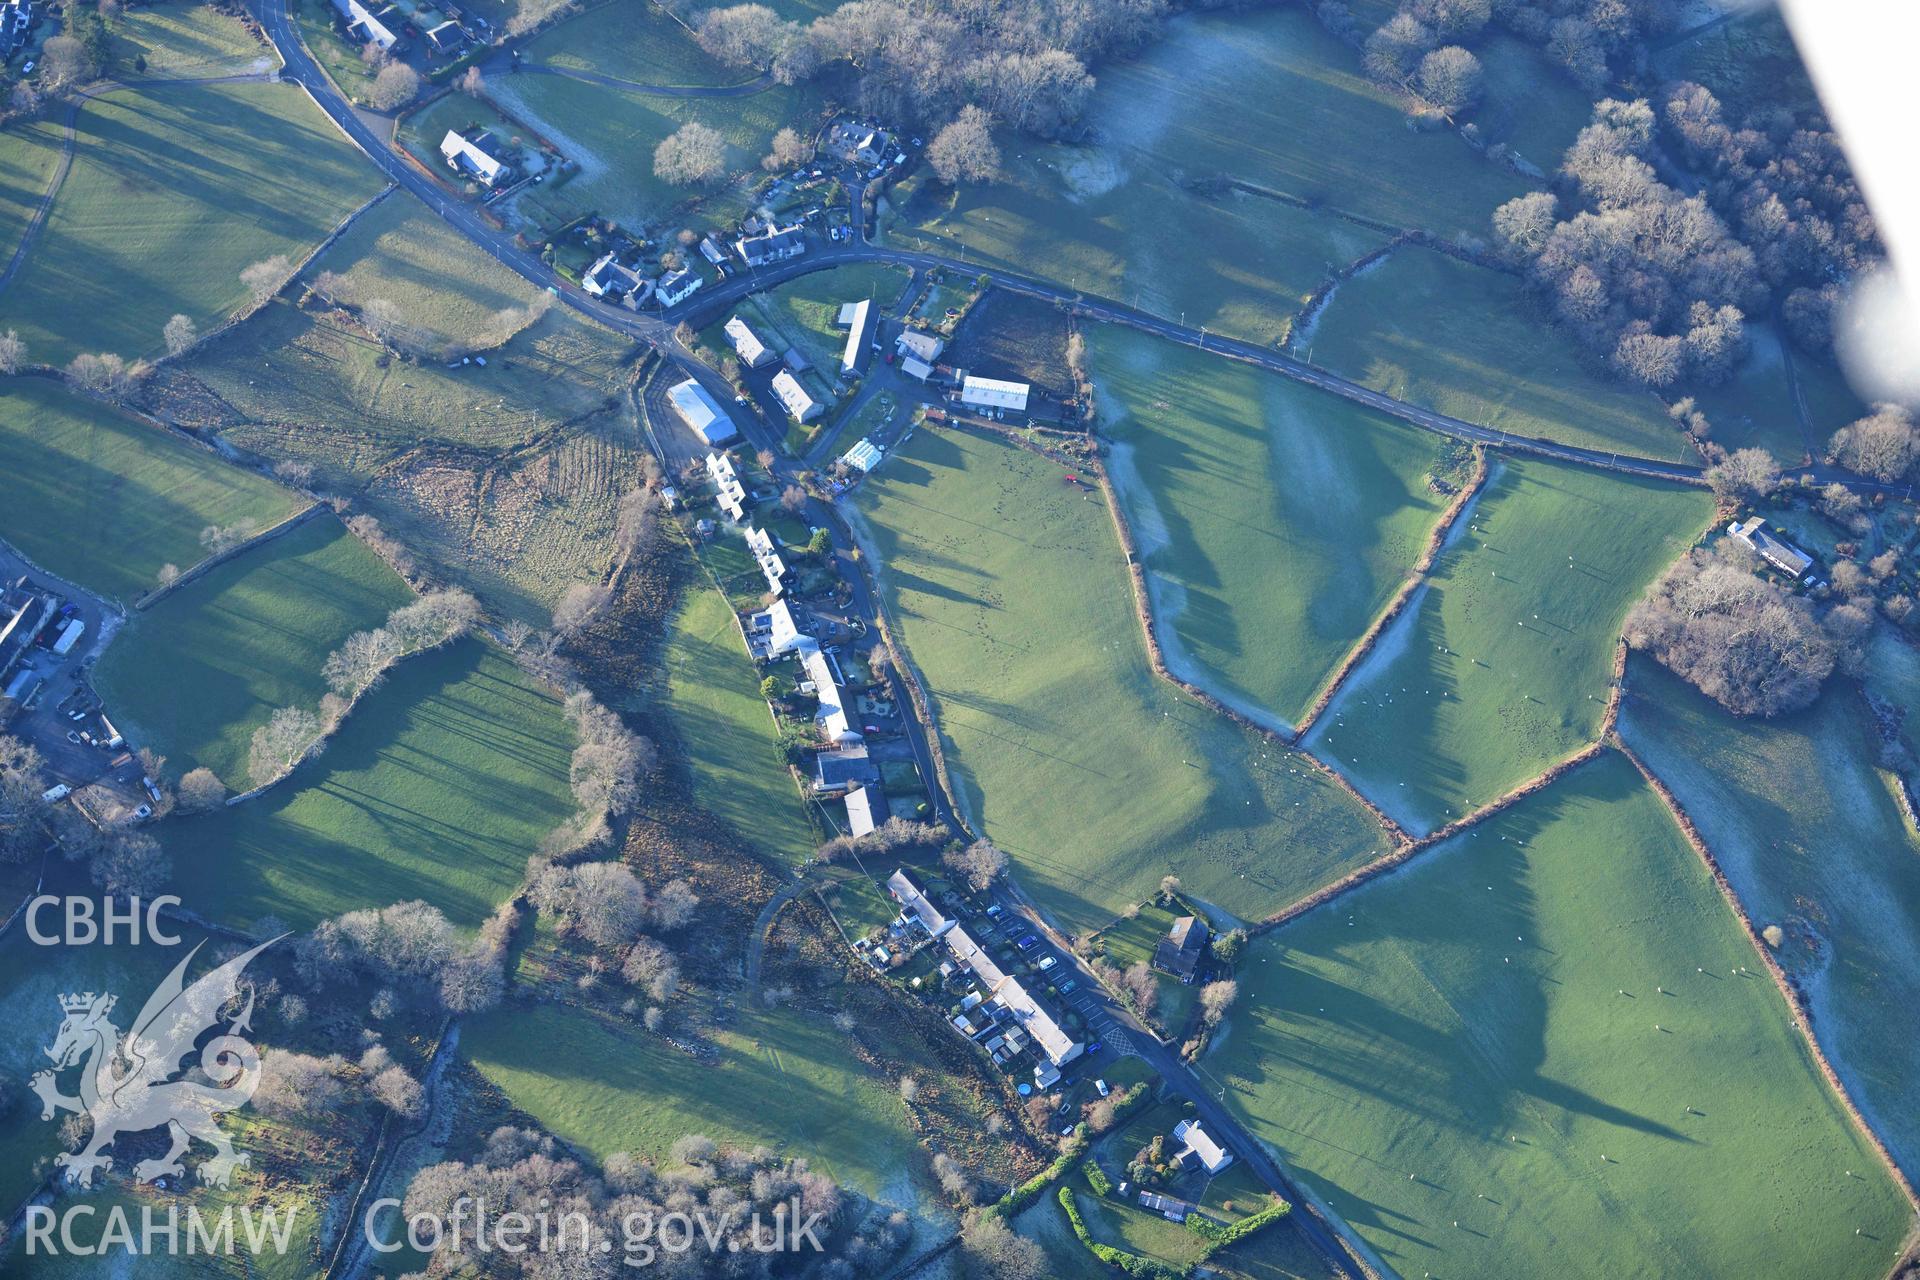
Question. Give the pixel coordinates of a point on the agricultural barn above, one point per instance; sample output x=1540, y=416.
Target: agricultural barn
x=746, y=343
x=698, y=410
x=794, y=397
x=992, y=393
x=859, y=322
x=472, y=156
x=916, y=368
x=866, y=455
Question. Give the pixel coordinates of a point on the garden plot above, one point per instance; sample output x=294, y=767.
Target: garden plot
x=1810, y=832
x=439, y=786
x=1503, y=665
x=1275, y=521
x=174, y=191
x=106, y=500
x=1013, y=601
x=1550, y=1038
x=194, y=675
x=1470, y=342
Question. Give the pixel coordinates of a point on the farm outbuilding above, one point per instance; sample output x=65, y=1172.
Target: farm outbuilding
x=699, y=411
x=992, y=393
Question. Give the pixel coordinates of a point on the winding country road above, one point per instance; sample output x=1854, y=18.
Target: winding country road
x=657, y=331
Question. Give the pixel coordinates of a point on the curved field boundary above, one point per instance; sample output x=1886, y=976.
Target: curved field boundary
x=1143, y=613
x=1802, y=1014
x=1415, y=578
x=1398, y=857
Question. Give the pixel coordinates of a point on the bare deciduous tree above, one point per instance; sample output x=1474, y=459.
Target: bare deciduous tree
x=200, y=790
x=361, y=662
x=180, y=334
x=290, y=736
x=13, y=352
x=1885, y=444
x=964, y=150
x=979, y=864
x=395, y=86
x=693, y=155
x=788, y=150
x=265, y=277
x=1745, y=474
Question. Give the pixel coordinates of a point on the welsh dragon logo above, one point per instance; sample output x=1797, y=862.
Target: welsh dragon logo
x=128, y=1082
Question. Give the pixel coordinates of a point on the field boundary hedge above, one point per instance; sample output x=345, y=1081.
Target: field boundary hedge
x=1143, y=613
x=214, y=561
x=1416, y=578
x=1132, y=1263
x=1801, y=1012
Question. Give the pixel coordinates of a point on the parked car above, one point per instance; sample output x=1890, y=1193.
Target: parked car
x=1047, y=964
x=1028, y=943
x=1101, y=1086
x=1095, y=1047
x=996, y=911
x=26, y=68
x=1070, y=986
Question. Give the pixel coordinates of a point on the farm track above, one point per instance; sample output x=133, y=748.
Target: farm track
x=65, y=163
x=759, y=84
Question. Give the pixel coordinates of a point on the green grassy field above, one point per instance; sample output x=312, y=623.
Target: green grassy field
x=1271, y=98
x=438, y=787
x=1529, y=104
x=181, y=40
x=106, y=500
x=1503, y=665
x=436, y=277
x=617, y=1088
x=1014, y=603
x=1275, y=521
x=1754, y=408
x=1446, y=1056
x=739, y=774
x=1267, y=98
x=197, y=673
x=612, y=135
x=631, y=40
x=1469, y=342
x=172, y=194
x=29, y=151
x=1812, y=837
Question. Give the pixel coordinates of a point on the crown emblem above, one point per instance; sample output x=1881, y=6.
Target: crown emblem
x=85, y=1001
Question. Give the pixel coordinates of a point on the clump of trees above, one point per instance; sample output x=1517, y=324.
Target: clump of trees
x=1784, y=183
x=978, y=865
x=895, y=835
x=1741, y=639
x=409, y=951
x=694, y=155
x=293, y=734
x=106, y=375
x=1885, y=444
x=1641, y=275
x=964, y=150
